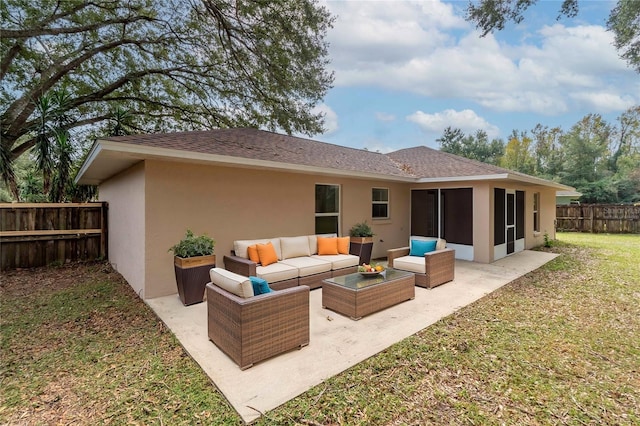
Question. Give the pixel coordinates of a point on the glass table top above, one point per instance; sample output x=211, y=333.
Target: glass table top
x=357, y=280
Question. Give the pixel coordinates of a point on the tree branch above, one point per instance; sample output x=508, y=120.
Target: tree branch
x=20, y=110
x=37, y=32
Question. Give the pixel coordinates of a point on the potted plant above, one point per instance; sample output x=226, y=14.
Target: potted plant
x=361, y=242
x=193, y=258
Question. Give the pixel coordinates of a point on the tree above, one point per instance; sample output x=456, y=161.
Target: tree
x=517, y=154
x=624, y=21
x=548, y=153
x=625, y=161
x=586, y=154
x=451, y=141
x=174, y=64
x=476, y=147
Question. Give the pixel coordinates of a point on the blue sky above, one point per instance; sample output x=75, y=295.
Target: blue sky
x=405, y=70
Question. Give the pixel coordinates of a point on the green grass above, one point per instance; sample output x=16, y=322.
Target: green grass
x=560, y=345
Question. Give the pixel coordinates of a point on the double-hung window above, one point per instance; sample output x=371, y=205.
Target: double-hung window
x=327, y=209
x=380, y=203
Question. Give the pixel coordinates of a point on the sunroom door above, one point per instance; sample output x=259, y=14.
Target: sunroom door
x=508, y=211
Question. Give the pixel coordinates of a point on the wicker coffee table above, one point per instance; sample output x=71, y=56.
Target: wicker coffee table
x=355, y=295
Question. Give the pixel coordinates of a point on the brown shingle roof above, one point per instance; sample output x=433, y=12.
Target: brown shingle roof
x=430, y=163
x=237, y=145
x=262, y=145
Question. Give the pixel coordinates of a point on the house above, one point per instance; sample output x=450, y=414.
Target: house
x=245, y=183
x=567, y=197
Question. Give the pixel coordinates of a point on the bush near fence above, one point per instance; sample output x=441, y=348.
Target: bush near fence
x=40, y=234
x=599, y=218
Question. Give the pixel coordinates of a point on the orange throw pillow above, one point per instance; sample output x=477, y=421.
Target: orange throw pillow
x=327, y=245
x=343, y=245
x=267, y=254
x=253, y=253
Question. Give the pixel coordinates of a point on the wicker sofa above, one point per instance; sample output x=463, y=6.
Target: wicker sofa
x=432, y=269
x=298, y=262
x=252, y=328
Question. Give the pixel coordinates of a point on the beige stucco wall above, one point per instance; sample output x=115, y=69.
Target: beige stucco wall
x=237, y=203
x=125, y=194
x=482, y=222
x=547, y=216
x=152, y=204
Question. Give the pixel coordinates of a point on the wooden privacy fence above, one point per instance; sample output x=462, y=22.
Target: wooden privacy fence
x=39, y=234
x=599, y=218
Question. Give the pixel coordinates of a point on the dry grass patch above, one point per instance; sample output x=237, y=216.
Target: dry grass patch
x=558, y=346
x=79, y=347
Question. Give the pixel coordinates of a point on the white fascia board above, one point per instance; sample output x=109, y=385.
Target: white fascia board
x=145, y=152
x=463, y=178
x=93, y=153
x=539, y=181
x=500, y=176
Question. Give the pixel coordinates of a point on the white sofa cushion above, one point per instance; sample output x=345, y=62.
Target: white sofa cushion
x=338, y=261
x=231, y=282
x=308, y=265
x=276, y=272
x=294, y=247
x=415, y=264
x=240, y=246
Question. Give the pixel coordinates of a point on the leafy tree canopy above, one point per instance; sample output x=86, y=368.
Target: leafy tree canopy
x=477, y=147
x=624, y=21
x=179, y=64
x=601, y=160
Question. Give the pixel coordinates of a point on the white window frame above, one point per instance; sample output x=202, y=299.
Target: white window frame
x=330, y=214
x=374, y=202
x=536, y=212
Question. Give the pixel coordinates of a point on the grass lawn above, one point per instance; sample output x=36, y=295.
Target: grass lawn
x=561, y=345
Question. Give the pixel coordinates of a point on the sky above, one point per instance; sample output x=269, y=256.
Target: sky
x=405, y=70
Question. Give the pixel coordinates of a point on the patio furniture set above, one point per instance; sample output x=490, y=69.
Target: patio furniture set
x=258, y=307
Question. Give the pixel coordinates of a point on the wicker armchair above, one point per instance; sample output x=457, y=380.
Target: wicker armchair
x=438, y=266
x=252, y=329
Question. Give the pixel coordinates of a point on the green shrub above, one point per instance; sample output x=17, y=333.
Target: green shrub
x=192, y=245
x=361, y=229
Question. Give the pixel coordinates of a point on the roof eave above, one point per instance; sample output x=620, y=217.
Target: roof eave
x=499, y=176
x=93, y=154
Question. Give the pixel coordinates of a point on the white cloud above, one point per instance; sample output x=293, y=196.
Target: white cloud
x=385, y=117
x=466, y=120
x=376, y=145
x=426, y=48
x=380, y=32
x=330, y=118
x=603, y=101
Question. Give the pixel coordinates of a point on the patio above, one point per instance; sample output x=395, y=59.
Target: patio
x=336, y=342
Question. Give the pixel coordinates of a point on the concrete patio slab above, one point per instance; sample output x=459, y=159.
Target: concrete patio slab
x=336, y=342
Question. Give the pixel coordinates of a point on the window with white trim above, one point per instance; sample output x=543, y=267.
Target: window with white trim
x=380, y=203
x=327, y=209
x=536, y=212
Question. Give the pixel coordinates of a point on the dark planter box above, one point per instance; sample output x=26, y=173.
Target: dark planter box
x=192, y=275
x=361, y=247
